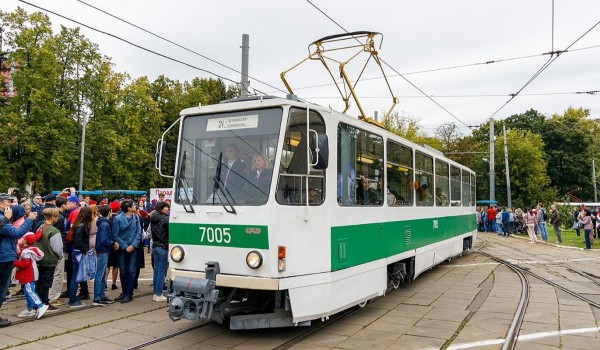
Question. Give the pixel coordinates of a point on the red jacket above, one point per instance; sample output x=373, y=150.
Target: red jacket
x=27, y=270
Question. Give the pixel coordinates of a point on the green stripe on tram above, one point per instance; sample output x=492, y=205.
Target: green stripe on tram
x=359, y=244
x=237, y=236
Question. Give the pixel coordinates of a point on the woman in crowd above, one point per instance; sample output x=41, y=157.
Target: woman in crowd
x=529, y=218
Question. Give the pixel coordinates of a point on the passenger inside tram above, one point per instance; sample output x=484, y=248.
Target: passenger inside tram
x=424, y=195
x=364, y=194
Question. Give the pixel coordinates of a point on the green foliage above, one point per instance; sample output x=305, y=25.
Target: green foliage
x=61, y=79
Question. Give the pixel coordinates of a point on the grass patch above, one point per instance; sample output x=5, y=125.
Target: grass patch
x=569, y=238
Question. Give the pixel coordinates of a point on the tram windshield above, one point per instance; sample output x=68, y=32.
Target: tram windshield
x=227, y=158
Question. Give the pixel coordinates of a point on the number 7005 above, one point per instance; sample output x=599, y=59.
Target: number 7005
x=215, y=235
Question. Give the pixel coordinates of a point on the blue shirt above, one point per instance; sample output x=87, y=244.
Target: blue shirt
x=127, y=231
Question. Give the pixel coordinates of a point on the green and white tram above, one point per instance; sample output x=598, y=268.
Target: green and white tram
x=343, y=212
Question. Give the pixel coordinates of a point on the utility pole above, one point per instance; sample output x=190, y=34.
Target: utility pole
x=245, y=58
x=508, y=199
x=594, y=180
x=492, y=174
x=85, y=120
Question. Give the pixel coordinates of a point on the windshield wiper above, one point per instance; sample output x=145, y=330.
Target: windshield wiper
x=218, y=186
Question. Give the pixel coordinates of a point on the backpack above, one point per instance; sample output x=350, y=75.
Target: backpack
x=545, y=214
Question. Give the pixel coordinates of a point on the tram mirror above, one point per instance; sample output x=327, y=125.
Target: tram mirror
x=319, y=151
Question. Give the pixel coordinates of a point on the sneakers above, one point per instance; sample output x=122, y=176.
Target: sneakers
x=108, y=300
x=100, y=303
x=76, y=305
x=26, y=313
x=120, y=297
x=159, y=298
x=41, y=311
x=4, y=322
x=52, y=308
x=126, y=299
x=114, y=286
x=83, y=297
x=57, y=302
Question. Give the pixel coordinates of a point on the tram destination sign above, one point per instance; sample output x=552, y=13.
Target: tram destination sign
x=232, y=123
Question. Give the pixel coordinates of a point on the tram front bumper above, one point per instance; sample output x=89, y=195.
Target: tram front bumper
x=193, y=298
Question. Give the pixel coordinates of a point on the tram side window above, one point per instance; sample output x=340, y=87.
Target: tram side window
x=291, y=186
x=454, y=186
x=359, y=167
x=400, y=174
x=466, y=188
x=442, y=183
x=424, y=179
x=472, y=189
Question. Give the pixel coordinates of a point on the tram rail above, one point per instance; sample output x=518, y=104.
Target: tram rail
x=513, y=332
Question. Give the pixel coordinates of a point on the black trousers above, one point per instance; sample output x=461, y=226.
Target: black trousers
x=44, y=282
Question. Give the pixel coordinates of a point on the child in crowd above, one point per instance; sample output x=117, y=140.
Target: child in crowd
x=27, y=273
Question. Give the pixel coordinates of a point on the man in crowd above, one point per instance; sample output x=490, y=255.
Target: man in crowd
x=8, y=245
x=51, y=244
x=127, y=234
x=541, y=221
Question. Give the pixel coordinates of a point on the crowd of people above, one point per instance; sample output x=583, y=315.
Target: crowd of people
x=46, y=238
x=533, y=220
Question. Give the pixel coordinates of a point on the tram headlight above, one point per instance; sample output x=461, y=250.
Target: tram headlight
x=254, y=260
x=177, y=253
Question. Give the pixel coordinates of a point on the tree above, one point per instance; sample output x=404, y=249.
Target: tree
x=449, y=136
x=409, y=128
x=568, y=142
x=529, y=181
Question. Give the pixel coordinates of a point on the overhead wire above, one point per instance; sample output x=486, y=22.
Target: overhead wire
x=132, y=43
x=467, y=65
x=589, y=92
x=554, y=56
x=395, y=71
x=179, y=45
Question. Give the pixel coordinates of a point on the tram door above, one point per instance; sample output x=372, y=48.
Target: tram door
x=298, y=179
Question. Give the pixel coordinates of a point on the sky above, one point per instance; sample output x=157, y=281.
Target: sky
x=417, y=36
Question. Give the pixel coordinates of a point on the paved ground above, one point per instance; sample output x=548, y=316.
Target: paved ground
x=466, y=303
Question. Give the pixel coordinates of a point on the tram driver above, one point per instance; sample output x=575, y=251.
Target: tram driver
x=234, y=172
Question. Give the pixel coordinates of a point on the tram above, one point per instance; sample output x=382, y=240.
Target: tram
x=286, y=212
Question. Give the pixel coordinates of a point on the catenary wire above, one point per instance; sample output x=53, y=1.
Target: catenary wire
x=179, y=45
x=590, y=92
x=133, y=44
x=467, y=65
x=554, y=56
x=395, y=71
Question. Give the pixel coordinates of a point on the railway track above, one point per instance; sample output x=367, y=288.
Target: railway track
x=513, y=332
x=286, y=345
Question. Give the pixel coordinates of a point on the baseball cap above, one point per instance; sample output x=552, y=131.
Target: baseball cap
x=50, y=198
x=73, y=198
x=5, y=196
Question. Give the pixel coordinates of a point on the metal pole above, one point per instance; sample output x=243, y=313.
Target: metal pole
x=245, y=53
x=82, y=151
x=594, y=180
x=492, y=174
x=508, y=200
